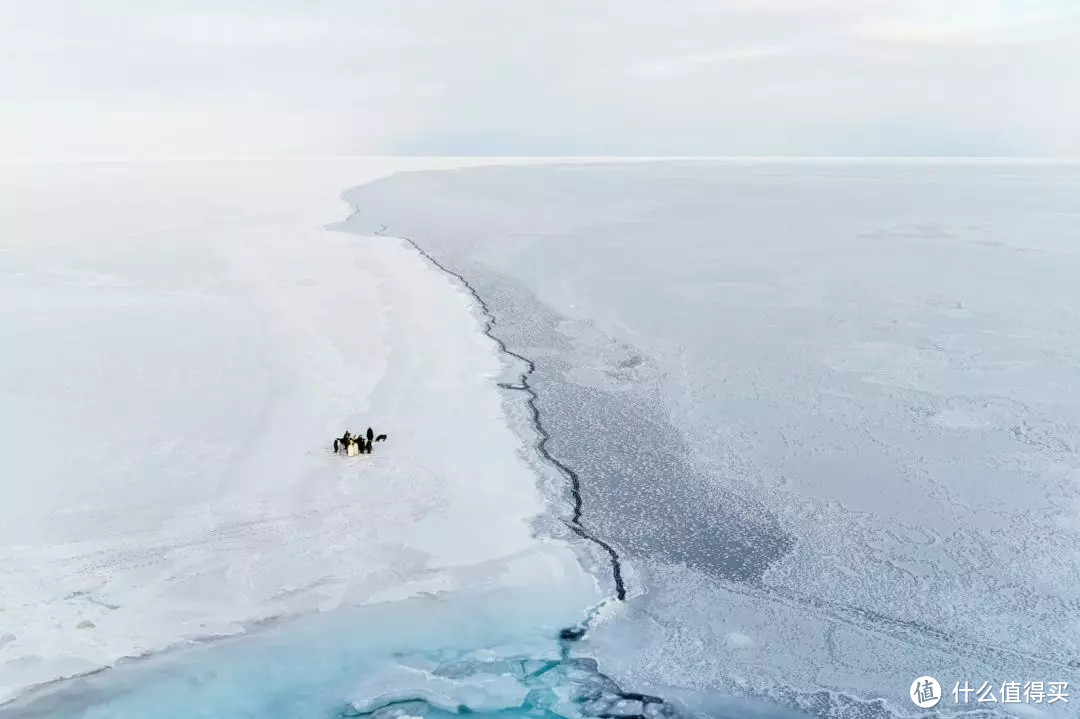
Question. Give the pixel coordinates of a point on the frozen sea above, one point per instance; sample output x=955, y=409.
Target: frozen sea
x=816, y=422
x=828, y=413
x=182, y=341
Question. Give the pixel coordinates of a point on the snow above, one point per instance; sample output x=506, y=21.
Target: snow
x=188, y=337
x=826, y=410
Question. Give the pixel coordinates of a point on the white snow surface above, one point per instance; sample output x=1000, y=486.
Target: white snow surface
x=875, y=360
x=184, y=340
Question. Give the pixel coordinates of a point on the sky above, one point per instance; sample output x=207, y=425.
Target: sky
x=240, y=78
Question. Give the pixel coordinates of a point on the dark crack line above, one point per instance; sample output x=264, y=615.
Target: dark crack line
x=531, y=401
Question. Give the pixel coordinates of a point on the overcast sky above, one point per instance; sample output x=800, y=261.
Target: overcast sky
x=629, y=77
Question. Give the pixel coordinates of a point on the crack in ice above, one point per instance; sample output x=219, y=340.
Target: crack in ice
x=574, y=523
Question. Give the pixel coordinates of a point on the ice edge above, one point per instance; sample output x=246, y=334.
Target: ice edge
x=574, y=523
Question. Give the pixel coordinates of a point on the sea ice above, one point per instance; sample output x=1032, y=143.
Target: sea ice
x=832, y=406
x=185, y=341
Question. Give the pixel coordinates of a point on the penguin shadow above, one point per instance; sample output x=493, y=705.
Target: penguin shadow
x=353, y=445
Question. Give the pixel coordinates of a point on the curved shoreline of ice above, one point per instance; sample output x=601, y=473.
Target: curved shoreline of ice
x=171, y=315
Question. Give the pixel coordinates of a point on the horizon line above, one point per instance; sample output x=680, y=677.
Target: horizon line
x=108, y=159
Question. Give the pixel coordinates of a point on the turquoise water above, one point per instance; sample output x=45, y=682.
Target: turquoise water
x=497, y=654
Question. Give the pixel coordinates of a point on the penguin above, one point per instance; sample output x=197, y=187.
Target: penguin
x=342, y=442
x=363, y=442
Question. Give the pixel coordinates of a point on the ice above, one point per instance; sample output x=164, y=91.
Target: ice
x=186, y=339
x=557, y=687
x=377, y=655
x=829, y=407
x=485, y=694
x=824, y=412
x=494, y=652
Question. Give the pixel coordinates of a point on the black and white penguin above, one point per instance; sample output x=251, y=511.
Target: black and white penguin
x=342, y=443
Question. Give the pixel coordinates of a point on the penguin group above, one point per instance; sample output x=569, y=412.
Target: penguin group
x=358, y=444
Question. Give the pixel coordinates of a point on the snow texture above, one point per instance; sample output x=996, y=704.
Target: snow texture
x=827, y=411
x=185, y=340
